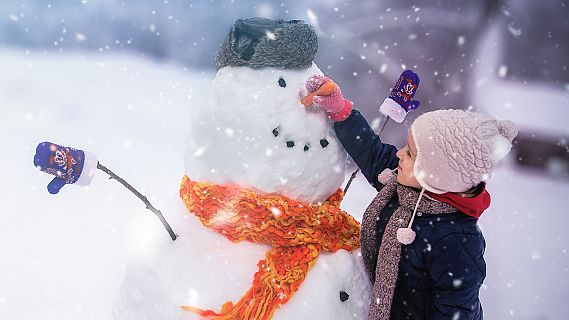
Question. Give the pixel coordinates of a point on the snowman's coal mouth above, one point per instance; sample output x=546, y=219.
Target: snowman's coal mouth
x=291, y=143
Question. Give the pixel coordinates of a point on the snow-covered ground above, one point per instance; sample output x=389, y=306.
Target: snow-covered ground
x=63, y=256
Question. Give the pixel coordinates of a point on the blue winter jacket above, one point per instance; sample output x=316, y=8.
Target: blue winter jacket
x=441, y=272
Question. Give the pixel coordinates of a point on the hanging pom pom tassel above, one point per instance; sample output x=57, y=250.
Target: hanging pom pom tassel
x=407, y=235
x=387, y=176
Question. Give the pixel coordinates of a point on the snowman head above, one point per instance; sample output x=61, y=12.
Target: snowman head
x=251, y=128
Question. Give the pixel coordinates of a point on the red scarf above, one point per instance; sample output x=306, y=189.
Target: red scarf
x=473, y=207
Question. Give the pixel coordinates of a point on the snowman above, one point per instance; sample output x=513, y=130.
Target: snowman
x=262, y=235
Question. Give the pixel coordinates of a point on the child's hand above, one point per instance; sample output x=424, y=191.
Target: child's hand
x=337, y=107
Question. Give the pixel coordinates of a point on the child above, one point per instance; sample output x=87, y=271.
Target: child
x=420, y=242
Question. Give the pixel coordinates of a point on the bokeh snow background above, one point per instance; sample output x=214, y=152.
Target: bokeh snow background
x=63, y=256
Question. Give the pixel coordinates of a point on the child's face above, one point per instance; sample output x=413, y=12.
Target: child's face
x=407, y=156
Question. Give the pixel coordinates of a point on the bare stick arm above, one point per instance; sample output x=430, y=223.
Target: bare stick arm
x=149, y=206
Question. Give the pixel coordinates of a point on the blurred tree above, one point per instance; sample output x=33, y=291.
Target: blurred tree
x=366, y=46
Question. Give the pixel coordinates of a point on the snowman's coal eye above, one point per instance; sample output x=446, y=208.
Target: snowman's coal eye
x=282, y=82
x=344, y=296
x=324, y=143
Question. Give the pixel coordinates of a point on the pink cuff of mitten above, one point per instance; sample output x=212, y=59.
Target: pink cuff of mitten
x=344, y=113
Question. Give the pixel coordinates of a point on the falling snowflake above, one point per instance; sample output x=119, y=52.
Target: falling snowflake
x=502, y=71
x=516, y=32
x=80, y=37
x=457, y=283
x=275, y=211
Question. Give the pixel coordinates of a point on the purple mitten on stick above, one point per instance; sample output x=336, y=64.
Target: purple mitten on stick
x=400, y=101
x=68, y=165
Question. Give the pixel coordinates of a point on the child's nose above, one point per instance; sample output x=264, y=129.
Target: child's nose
x=398, y=154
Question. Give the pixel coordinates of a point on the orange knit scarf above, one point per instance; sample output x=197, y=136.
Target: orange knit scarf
x=296, y=231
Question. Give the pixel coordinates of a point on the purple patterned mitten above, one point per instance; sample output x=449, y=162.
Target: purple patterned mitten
x=68, y=165
x=400, y=101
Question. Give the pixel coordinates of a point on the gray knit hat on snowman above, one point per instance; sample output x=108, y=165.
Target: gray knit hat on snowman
x=456, y=150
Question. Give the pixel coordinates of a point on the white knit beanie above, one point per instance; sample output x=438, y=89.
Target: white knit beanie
x=456, y=150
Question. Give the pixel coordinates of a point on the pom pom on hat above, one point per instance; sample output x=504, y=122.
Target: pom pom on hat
x=508, y=129
x=456, y=149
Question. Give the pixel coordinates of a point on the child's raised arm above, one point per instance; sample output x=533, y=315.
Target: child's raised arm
x=358, y=138
x=365, y=147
